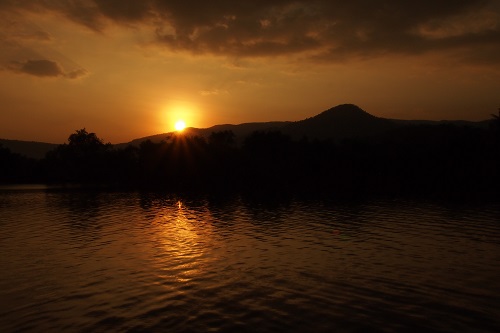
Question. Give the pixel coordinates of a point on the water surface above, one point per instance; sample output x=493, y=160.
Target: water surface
x=84, y=261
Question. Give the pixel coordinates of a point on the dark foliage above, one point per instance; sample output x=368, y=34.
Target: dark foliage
x=84, y=159
x=423, y=160
x=15, y=168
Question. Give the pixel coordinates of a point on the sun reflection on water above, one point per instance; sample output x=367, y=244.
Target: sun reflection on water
x=184, y=236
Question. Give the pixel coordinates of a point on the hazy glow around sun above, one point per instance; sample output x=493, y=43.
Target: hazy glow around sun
x=176, y=115
x=180, y=125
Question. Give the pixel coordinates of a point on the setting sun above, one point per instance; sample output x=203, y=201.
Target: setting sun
x=180, y=125
x=176, y=115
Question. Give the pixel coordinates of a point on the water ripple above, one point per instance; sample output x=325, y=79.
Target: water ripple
x=132, y=262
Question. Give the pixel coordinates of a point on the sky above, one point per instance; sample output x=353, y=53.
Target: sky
x=126, y=69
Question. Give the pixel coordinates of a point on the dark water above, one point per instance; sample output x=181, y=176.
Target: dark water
x=130, y=262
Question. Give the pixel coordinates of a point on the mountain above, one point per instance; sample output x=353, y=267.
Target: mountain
x=342, y=121
x=31, y=149
x=339, y=122
x=240, y=131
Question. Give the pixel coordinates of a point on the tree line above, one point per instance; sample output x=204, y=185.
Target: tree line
x=439, y=160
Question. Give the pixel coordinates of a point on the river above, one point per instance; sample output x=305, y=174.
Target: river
x=97, y=261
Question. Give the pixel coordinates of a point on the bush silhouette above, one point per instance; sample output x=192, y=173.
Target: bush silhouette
x=423, y=160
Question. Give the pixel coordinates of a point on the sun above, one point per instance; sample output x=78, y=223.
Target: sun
x=180, y=125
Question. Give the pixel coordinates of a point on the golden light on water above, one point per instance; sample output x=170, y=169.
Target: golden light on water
x=178, y=233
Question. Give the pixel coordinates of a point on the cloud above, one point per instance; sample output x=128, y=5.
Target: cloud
x=213, y=92
x=22, y=59
x=77, y=73
x=326, y=30
x=15, y=28
x=41, y=68
x=44, y=68
x=26, y=48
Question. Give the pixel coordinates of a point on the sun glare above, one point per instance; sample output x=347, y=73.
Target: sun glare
x=180, y=125
x=177, y=116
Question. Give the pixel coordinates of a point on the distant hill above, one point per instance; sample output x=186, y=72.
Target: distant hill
x=480, y=124
x=346, y=120
x=31, y=149
x=342, y=121
x=339, y=122
x=240, y=131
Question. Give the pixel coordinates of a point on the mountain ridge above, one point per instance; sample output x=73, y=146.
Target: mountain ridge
x=339, y=122
x=33, y=149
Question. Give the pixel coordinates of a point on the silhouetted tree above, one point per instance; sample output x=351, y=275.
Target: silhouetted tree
x=222, y=166
x=221, y=139
x=82, y=138
x=421, y=160
x=15, y=168
x=84, y=159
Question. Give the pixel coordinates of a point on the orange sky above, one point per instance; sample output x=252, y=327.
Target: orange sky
x=127, y=69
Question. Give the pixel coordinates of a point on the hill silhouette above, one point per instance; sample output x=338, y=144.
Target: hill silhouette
x=337, y=123
x=340, y=122
x=30, y=149
x=352, y=154
x=241, y=131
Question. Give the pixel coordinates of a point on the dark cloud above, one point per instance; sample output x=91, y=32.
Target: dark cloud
x=326, y=29
x=26, y=48
x=75, y=74
x=44, y=68
x=41, y=68
x=124, y=10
